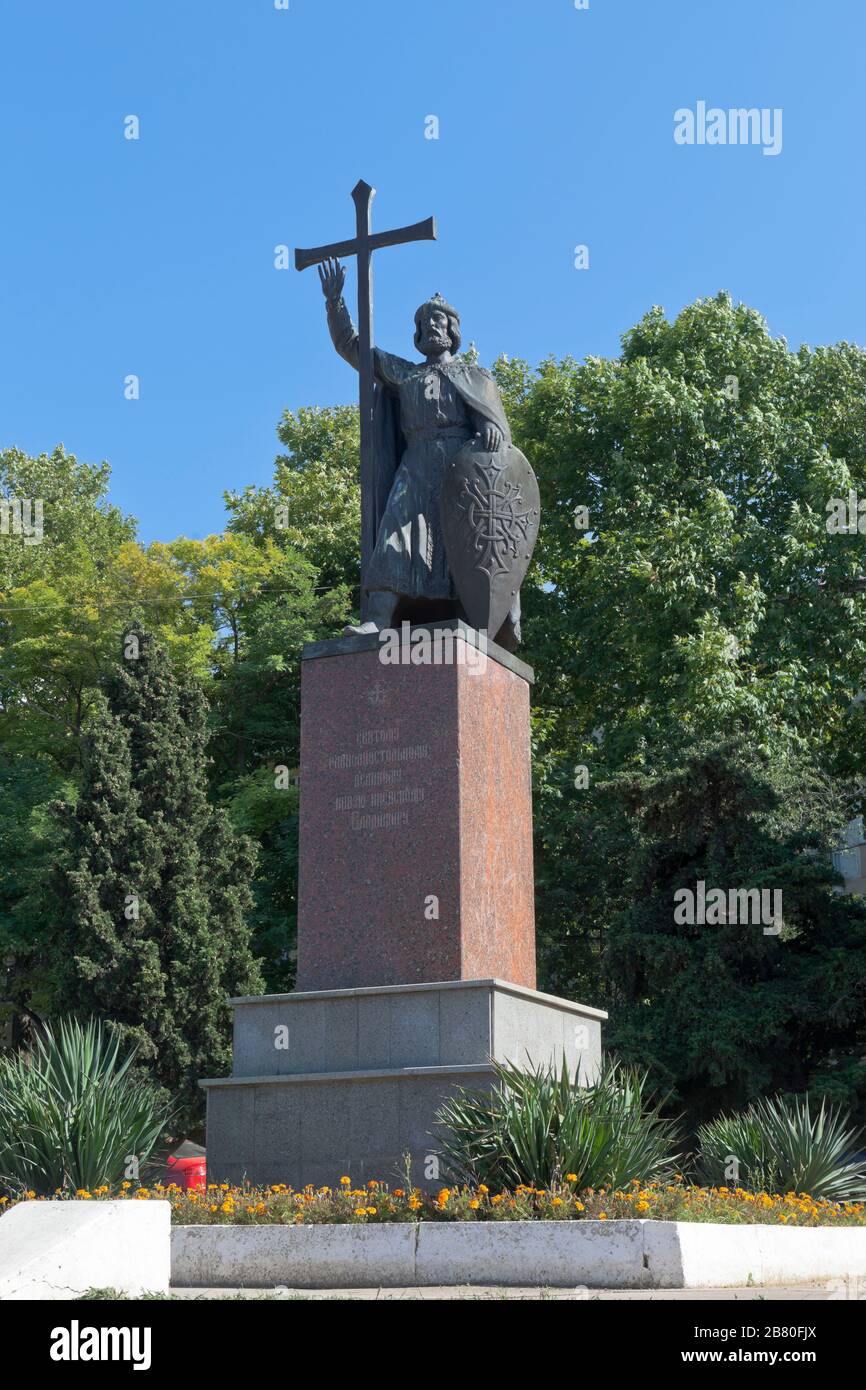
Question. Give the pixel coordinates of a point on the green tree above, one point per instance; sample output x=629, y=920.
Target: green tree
x=313, y=505
x=152, y=890
x=701, y=593
x=67, y=592
x=28, y=844
x=77, y=517
x=263, y=602
x=725, y=1012
x=60, y=634
x=286, y=573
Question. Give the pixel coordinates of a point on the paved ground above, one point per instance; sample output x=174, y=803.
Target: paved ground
x=482, y=1293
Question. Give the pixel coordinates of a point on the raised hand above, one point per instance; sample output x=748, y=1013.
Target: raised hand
x=332, y=276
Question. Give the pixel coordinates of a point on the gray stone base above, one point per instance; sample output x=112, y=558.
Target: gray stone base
x=348, y=1081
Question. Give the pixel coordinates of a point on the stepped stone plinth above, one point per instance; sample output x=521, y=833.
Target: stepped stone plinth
x=416, y=933
x=347, y=1081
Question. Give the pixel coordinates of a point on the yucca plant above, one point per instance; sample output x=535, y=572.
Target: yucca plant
x=782, y=1144
x=72, y=1113
x=538, y=1125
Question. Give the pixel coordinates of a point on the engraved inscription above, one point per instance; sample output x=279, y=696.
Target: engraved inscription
x=377, y=797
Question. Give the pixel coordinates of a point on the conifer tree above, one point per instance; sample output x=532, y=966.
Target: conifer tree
x=721, y=1005
x=153, y=882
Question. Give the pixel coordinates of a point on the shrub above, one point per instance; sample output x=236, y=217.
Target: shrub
x=536, y=1126
x=71, y=1113
x=782, y=1146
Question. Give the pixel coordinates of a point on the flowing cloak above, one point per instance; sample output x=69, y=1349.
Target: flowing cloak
x=473, y=385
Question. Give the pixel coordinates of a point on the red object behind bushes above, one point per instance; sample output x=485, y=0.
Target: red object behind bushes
x=187, y=1168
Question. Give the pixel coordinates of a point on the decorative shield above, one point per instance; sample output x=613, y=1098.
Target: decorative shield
x=490, y=514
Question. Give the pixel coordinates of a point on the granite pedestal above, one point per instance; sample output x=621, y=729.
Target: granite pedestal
x=416, y=932
x=415, y=857
x=347, y=1081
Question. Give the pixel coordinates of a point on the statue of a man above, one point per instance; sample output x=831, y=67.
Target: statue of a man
x=425, y=413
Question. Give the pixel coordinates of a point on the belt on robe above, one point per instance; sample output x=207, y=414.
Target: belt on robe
x=422, y=436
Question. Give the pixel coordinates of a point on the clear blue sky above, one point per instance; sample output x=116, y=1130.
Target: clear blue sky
x=155, y=257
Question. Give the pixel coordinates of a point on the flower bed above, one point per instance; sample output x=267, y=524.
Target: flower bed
x=376, y=1203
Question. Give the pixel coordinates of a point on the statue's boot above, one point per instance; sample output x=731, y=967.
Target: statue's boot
x=381, y=606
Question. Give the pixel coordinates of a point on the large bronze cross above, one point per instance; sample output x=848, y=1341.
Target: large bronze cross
x=362, y=245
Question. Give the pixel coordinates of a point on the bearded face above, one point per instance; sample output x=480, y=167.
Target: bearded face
x=437, y=327
x=434, y=335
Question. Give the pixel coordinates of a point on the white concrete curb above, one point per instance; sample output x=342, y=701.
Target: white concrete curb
x=307, y=1257
x=554, y=1254
x=53, y=1250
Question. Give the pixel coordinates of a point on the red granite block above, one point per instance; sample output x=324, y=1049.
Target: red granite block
x=497, y=890
x=416, y=823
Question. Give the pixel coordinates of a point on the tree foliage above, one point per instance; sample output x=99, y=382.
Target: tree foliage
x=726, y=1011
x=152, y=890
x=699, y=643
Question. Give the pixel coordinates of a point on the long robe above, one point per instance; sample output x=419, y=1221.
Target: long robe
x=424, y=413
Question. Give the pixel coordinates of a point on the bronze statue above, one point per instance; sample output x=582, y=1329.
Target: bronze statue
x=451, y=512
